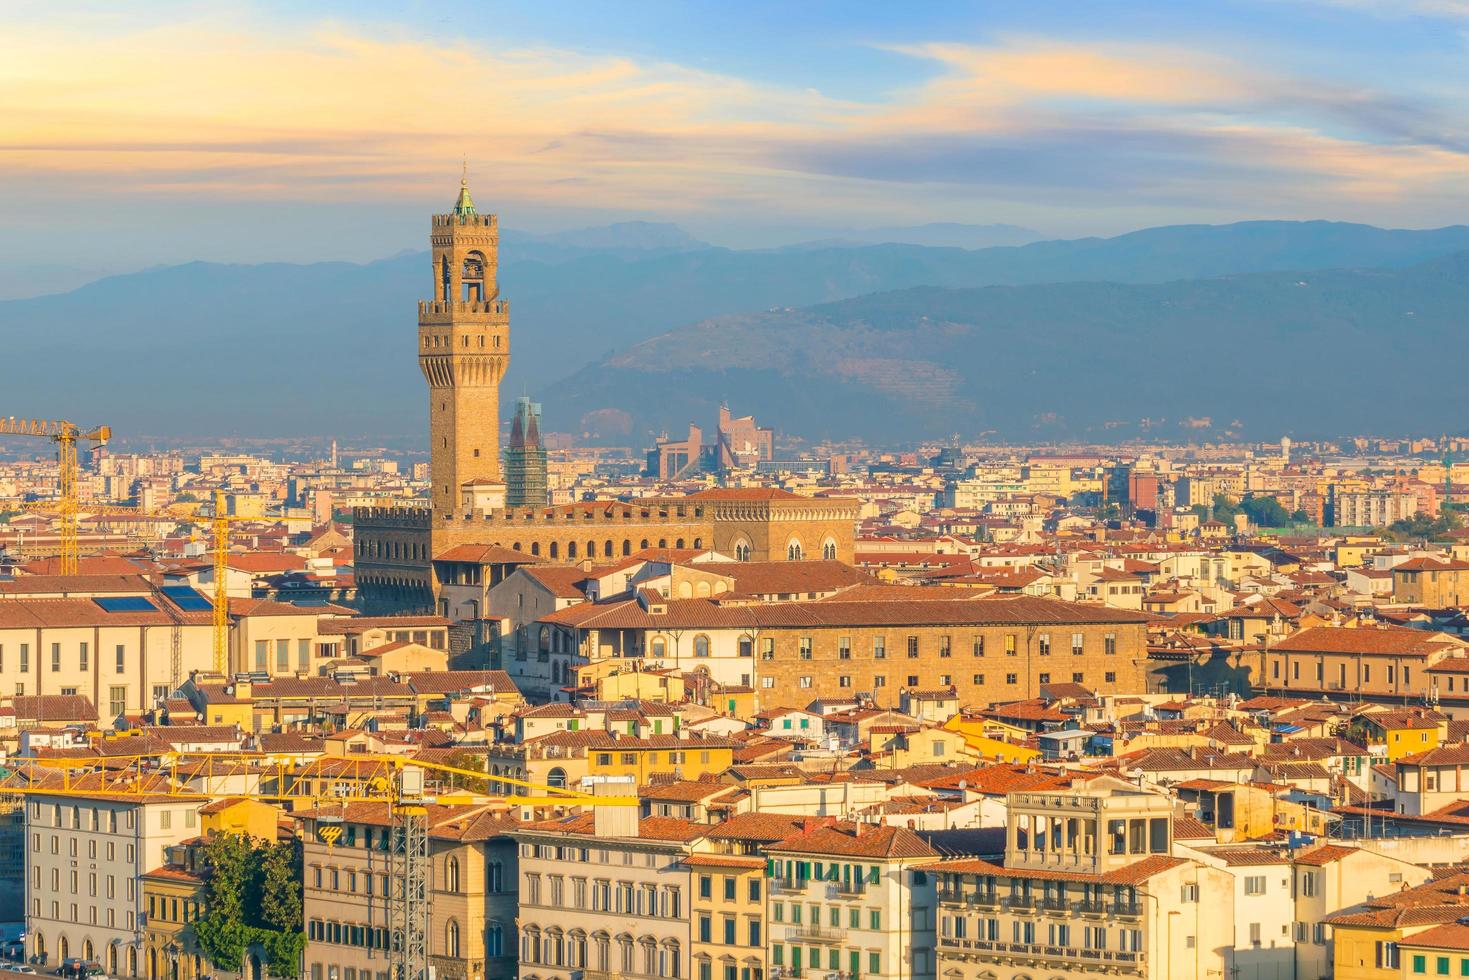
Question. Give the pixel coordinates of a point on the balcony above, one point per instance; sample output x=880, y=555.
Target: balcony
x=787, y=886
x=1020, y=903
x=611, y=975
x=849, y=889
x=1056, y=903
x=815, y=934
x=1132, y=910
x=1091, y=906
x=994, y=949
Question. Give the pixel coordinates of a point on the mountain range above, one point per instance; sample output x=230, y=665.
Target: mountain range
x=1256, y=356
x=635, y=328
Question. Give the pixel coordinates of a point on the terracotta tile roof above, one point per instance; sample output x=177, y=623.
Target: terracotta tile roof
x=488, y=554
x=854, y=840
x=257, y=562
x=562, y=581
x=789, y=577
x=747, y=861
x=1324, y=854
x=1435, y=902
x=453, y=681
x=718, y=494
x=41, y=613
x=1189, y=828
x=269, y=607
x=54, y=707
x=1451, y=935
x=669, y=829
x=761, y=827
x=361, y=624
x=710, y=613
x=170, y=873
x=133, y=583
x=1444, y=755
x=1245, y=857
x=1133, y=874
x=1381, y=640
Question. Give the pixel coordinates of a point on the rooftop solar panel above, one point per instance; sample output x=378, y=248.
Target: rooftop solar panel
x=187, y=599
x=126, y=603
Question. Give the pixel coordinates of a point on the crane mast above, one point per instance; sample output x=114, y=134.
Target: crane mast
x=395, y=780
x=65, y=435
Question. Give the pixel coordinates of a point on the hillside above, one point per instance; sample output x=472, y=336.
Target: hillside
x=1325, y=352
x=329, y=348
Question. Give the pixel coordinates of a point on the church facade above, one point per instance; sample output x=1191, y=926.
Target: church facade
x=464, y=352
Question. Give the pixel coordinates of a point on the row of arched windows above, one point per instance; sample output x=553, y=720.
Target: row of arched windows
x=88, y=953
x=607, y=549
x=600, y=951
x=494, y=939
x=494, y=875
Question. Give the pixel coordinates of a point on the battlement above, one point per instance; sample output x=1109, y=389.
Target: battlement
x=444, y=311
x=585, y=515
x=489, y=222
x=405, y=517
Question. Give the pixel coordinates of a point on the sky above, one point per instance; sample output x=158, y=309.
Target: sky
x=137, y=134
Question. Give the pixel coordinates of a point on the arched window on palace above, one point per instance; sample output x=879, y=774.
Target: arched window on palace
x=451, y=875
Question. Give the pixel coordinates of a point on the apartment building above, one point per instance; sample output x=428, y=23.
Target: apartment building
x=565, y=758
x=1366, y=661
x=1330, y=877
x=728, y=912
x=86, y=858
x=1432, y=582
x=606, y=895
x=986, y=649
x=173, y=895
x=348, y=882
x=853, y=899
x=112, y=640
x=1263, y=901
x=1087, y=886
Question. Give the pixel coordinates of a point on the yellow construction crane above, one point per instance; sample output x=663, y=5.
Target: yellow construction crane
x=399, y=782
x=65, y=435
x=219, y=523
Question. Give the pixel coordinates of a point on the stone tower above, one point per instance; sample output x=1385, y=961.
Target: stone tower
x=525, y=460
x=464, y=348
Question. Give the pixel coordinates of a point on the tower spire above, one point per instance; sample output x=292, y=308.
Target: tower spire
x=465, y=204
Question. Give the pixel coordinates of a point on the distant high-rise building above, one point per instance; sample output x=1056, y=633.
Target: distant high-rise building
x=738, y=443
x=525, y=459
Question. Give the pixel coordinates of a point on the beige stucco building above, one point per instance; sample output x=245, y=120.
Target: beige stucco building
x=471, y=930
x=1088, y=886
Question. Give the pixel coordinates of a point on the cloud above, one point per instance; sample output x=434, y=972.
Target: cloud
x=199, y=109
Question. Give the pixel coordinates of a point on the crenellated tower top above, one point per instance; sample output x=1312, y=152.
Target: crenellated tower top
x=464, y=350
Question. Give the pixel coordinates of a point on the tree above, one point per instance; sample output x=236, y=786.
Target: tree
x=253, y=897
x=1264, y=511
x=280, y=886
x=1423, y=526
x=473, y=761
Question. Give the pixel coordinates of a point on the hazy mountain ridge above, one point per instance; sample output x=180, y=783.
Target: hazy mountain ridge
x=1259, y=355
x=330, y=347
